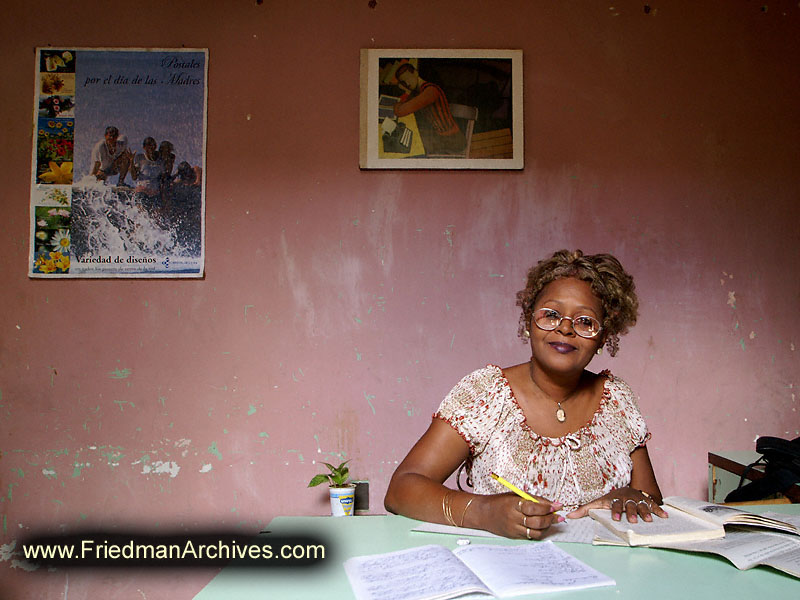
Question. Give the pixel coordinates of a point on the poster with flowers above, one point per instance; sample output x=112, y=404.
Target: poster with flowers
x=118, y=161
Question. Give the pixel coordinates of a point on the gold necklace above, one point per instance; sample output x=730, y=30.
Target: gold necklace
x=561, y=414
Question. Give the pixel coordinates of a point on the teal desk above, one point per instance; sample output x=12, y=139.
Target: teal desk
x=639, y=572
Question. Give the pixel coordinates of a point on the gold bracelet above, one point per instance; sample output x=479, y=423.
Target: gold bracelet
x=464, y=514
x=447, y=508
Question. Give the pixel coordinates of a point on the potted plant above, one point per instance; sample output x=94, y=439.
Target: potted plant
x=342, y=493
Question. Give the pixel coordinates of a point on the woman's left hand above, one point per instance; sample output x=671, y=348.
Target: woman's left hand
x=634, y=503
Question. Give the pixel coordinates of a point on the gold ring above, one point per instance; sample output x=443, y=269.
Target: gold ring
x=646, y=495
x=519, y=506
x=525, y=520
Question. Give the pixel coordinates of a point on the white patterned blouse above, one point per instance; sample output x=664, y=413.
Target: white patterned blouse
x=573, y=469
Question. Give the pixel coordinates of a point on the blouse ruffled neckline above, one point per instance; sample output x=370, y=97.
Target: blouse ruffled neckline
x=557, y=441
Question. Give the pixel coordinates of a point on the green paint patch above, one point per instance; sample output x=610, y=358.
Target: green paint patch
x=121, y=404
x=741, y=343
x=299, y=456
x=59, y=502
x=120, y=373
x=112, y=457
x=20, y=473
x=215, y=451
x=251, y=410
x=263, y=434
x=369, y=398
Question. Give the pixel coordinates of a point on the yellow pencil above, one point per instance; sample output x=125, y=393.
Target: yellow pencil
x=514, y=488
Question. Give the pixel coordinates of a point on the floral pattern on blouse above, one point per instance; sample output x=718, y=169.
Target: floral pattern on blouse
x=573, y=469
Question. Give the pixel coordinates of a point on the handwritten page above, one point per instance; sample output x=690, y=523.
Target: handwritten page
x=529, y=568
x=425, y=572
x=434, y=572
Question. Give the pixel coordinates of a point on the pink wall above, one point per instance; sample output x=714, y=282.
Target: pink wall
x=339, y=306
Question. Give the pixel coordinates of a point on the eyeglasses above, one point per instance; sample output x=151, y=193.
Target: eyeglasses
x=583, y=325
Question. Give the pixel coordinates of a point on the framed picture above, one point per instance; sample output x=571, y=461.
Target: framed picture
x=441, y=109
x=118, y=160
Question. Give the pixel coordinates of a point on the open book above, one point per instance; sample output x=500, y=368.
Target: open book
x=434, y=572
x=747, y=547
x=770, y=539
x=689, y=520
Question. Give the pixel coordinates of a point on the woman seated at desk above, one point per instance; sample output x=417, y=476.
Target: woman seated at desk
x=572, y=439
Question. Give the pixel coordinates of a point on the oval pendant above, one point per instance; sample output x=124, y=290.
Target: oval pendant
x=561, y=415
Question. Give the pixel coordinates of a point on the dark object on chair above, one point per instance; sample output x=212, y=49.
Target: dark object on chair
x=781, y=460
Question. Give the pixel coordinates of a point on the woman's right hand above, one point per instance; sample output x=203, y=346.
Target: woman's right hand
x=512, y=517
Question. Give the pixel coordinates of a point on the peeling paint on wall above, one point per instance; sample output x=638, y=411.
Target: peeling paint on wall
x=161, y=467
x=214, y=450
x=120, y=373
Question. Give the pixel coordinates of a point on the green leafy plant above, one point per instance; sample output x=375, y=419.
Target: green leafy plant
x=336, y=478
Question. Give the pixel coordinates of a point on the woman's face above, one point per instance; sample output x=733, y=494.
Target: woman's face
x=562, y=350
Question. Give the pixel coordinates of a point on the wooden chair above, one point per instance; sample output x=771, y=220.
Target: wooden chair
x=468, y=114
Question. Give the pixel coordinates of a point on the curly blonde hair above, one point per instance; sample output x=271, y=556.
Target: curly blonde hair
x=609, y=281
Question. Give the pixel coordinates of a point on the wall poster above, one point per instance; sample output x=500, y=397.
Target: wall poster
x=441, y=109
x=118, y=165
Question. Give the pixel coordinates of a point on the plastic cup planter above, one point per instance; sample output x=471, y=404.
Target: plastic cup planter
x=343, y=500
x=343, y=494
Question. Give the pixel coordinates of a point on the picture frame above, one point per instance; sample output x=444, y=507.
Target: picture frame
x=441, y=109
